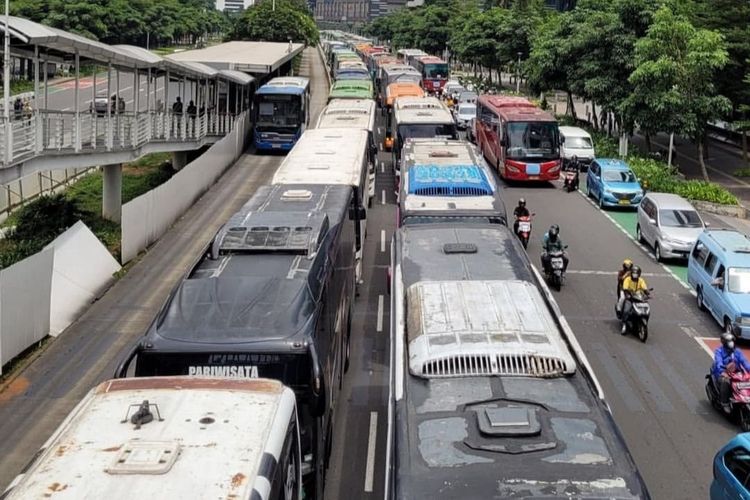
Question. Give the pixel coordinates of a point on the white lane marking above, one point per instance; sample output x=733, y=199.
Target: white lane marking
x=703, y=344
x=381, y=147
x=383, y=198
x=382, y=167
x=638, y=243
x=370, y=467
x=382, y=240
x=379, y=325
x=380, y=130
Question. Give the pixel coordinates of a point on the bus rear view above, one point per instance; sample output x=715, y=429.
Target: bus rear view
x=520, y=140
x=282, y=113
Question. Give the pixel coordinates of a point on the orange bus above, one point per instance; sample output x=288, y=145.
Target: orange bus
x=393, y=92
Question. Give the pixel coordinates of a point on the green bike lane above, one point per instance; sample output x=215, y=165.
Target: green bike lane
x=626, y=219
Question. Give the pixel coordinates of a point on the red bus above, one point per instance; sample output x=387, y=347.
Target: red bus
x=434, y=72
x=518, y=139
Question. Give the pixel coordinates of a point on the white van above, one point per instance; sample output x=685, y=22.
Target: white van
x=576, y=142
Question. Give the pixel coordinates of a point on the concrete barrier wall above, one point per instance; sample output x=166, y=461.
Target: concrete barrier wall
x=146, y=218
x=82, y=268
x=43, y=294
x=24, y=304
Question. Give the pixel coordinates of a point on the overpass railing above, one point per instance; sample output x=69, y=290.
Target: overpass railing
x=53, y=132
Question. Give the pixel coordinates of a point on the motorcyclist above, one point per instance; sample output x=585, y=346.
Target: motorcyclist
x=727, y=359
x=632, y=283
x=520, y=211
x=553, y=243
x=627, y=265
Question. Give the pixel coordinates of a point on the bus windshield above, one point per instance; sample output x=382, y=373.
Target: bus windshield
x=535, y=140
x=281, y=111
x=426, y=131
x=436, y=70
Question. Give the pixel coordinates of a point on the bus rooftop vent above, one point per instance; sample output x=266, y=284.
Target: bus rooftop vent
x=451, y=248
x=443, y=153
x=483, y=328
x=448, y=180
x=296, y=195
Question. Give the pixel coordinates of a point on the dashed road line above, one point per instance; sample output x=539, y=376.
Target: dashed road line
x=382, y=240
x=379, y=325
x=382, y=199
x=371, y=441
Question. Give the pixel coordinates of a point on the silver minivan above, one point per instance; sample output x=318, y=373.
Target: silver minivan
x=669, y=224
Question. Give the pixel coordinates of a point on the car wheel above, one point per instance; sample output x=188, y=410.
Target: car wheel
x=657, y=252
x=699, y=299
x=638, y=233
x=728, y=326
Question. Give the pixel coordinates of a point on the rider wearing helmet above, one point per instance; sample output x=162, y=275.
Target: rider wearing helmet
x=727, y=359
x=519, y=211
x=553, y=243
x=627, y=265
x=631, y=284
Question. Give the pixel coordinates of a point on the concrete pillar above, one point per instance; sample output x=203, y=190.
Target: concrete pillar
x=112, y=192
x=179, y=160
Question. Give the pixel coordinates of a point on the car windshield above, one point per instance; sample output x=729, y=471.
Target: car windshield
x=679, y=218
x=279, y=110
x=467, y=110
x=578, y=143
x=532, y=140
x=738, y=279
x=615, y=176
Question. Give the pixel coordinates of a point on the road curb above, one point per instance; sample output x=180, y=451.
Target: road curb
x=737, y=211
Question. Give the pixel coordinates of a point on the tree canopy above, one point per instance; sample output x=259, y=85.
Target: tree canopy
x=127, y=21
x=290, y=20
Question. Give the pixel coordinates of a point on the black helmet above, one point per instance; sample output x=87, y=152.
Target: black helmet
x=554, y=230
x=727, y=340
x=522, y=202
x=635, y=272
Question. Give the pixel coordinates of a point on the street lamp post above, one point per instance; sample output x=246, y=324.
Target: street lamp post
x=518, y=74
x=6, y=83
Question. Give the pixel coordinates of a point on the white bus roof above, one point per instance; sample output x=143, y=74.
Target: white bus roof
x=440, y=152
x=480, y=328
x=348, y=113
x=206, y=440
x=325, y=156
x=411, y=52
x=411, y=102
x=289, y=81
x=416, y=116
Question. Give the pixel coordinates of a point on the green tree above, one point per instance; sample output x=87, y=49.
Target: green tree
x=287, y=21
x=673, y=80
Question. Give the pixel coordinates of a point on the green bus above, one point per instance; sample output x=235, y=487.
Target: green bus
x=351, y=89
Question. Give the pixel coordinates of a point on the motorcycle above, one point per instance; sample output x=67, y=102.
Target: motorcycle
x=556, y=271
x=739, y=400
x=524, y=229
x=570, y=175
x=640, y=311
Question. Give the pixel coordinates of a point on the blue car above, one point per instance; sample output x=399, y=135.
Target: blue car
x=732, y=470
x=613, y=184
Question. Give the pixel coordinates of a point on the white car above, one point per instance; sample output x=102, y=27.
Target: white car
x=463, y=113
x=576, y=142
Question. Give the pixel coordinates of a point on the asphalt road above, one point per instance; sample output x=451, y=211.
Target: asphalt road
x=61, y=96
x=656, y=390
x=34, y=403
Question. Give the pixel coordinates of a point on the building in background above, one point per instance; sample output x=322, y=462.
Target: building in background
x=233, y=5
x=349, y=11
x=560, y=5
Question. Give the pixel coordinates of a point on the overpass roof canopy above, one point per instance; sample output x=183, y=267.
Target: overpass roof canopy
x=251, y=57
x=59, y=45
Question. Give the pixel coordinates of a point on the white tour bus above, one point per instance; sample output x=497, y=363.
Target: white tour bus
x=172, y=438
x=419, y=118
x=333, y=156
x=359, y=114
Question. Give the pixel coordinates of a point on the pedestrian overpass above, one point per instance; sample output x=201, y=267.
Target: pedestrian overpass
x=102, y=129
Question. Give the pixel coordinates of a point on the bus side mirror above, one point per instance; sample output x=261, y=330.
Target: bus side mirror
x=504, y=142
x=357, y=213
x=373, y=152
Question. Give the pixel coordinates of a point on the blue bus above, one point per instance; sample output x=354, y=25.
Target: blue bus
x=282, y=112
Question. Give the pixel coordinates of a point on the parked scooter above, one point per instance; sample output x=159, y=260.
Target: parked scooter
x=524, y=229
x=556, y=271
x=739, y=401
x=570, y=175
x=640, y=311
